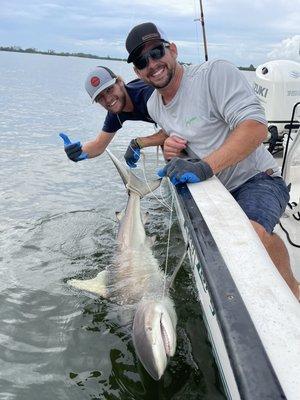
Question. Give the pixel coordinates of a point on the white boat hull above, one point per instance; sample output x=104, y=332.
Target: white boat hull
x=273, y=310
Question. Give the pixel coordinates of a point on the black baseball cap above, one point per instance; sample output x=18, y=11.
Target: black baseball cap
x=141, y=34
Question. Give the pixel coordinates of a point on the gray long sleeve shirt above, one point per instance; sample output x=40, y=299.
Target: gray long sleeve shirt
x=213, y=98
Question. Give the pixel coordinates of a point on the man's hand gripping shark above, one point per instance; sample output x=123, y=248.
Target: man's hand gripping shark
x=139, y=280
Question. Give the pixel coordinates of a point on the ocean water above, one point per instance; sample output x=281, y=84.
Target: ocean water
x=57, y=222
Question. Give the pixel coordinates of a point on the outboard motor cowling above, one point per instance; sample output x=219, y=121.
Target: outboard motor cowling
x=277, y=85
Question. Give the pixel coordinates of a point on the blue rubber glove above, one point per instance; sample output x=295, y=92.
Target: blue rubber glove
x=181, y=170
x=73, y=150
x=132, y=154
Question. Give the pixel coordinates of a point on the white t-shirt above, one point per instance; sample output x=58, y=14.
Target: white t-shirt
x=213, y=98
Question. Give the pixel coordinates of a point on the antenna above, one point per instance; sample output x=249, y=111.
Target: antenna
x=201, y=19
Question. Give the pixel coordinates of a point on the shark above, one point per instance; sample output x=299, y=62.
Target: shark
x=136, y=282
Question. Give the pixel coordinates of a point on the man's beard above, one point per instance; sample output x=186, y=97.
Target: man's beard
x=122, y=104
x=170, y=74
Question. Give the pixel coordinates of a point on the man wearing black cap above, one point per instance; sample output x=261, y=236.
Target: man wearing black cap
x=122, y=102
x=211, y=111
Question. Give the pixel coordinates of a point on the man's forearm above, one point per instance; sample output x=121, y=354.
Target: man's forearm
x=157, y=139
x=97, y=146
x=243, y=140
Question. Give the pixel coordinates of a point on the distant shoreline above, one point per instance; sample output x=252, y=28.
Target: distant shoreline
x=17, y=49
x=54, y=53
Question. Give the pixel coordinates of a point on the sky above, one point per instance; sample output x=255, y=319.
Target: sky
x=243, y=32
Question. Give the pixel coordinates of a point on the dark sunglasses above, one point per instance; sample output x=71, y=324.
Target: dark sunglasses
x=156, y=54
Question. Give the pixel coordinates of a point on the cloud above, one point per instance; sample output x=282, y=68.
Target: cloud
x=101, y=46
x=16, y=11
x=287, y=49
x=242, y=32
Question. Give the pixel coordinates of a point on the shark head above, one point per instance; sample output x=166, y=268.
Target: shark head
x=154, y=334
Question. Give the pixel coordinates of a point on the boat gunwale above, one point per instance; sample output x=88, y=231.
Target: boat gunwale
x=252, y=369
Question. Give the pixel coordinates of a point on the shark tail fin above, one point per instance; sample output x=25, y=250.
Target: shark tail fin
x=131, y=181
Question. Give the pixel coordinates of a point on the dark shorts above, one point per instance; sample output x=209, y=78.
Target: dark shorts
x=263, y=198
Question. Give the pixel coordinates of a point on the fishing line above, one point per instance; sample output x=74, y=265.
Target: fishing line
x=170, y=208
x=168, y=246
x=163, y=202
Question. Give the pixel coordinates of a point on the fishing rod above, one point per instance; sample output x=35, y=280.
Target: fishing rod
x=201, y=19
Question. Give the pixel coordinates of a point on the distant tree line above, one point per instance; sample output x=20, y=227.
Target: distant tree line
x=54, y=53
x=83, y=55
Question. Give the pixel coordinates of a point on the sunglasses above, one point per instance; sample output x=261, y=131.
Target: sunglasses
x=156, y=54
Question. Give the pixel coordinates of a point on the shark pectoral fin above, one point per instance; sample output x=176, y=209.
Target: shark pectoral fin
x=97, y=285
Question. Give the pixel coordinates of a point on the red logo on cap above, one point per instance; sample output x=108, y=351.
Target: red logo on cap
x=95, y=81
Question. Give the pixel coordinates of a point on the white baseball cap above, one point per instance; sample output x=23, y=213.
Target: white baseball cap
x=99, y=79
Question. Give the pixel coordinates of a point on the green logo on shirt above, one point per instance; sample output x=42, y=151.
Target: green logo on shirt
x=190, y=121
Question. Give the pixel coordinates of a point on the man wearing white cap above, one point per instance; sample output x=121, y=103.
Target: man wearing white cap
x=123, y=102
